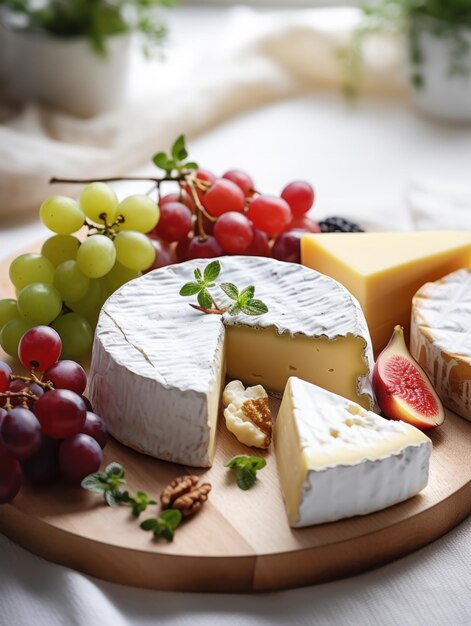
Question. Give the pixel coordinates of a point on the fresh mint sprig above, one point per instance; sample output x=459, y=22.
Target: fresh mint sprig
x=138, y=503
x=164, y=525
x=245, y=468
x=176, y=161
x=244, y=300
x=109, y=484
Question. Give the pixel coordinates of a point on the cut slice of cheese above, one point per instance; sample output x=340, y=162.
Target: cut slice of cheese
x=441, y=338
x=337, y=460
x=384, y=270
x=158, y=365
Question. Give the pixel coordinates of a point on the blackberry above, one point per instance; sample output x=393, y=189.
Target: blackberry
x=339, y=225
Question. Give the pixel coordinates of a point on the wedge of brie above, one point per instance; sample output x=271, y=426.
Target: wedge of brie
x=335, y=459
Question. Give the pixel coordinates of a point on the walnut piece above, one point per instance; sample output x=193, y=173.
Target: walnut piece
x=248, y=414
x=185, y=494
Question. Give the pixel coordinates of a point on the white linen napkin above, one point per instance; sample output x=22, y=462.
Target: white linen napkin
x=437, y=205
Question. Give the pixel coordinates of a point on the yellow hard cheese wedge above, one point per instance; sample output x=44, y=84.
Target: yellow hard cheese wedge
x=384, y=270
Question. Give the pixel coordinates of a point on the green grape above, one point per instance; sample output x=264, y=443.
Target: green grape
x=31, y=268
x=90, y=305
x=96, y=199
x=70, y=282
x=61, y=215
x=96, y=256
x=8, y=311
x=60, y=248
x=39, y=303
x=118, y=276
x=11, y=334
x=134, y=250
x=76, y=334
x=140, y=213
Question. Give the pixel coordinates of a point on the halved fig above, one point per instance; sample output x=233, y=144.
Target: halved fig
x=403, y=389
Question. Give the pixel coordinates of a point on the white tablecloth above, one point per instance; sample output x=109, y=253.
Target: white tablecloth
x=375, y=164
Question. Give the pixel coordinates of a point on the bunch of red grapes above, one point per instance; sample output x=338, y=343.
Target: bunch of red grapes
x=236, y=219
x=47, y=427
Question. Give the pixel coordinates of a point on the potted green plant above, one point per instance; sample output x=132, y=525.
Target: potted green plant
x=438, y=37
x=74, y=54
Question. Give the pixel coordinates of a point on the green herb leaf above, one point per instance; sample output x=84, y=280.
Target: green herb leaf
x=149, y=524
x=138, y=503
x=113, y=497
x=115, y=469
x=198, y=275
x=161, y=160
x=178, y=149
x=246, y=295
x=246, y=469
x=191, y=165
x=94, y=483
x=245, y=477
x=172, y=517
x=230, y=290
x=235, y=308
x=254, y=307
x=190, y=289
x=212, y=271
x=204, y=299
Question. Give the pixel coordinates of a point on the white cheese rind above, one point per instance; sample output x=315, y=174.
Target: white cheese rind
x=158, y=365
x=441, y=338
x=348, y=461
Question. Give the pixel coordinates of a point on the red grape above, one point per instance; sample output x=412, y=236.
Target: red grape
x=233, y=232
x=304, y=223
x=3, y=413
x=39, y=348
x=300, y=197
x=174, y=223
x=79, y=456
x=270, y=214
x=182, y=197
x=61, y=413
x=43, y=466
x=67, y=375
x=260, y=245
x=21, y=433
x=222, y=197
x=16, y=386
x=95, y=427
x=287, y=246
x=207, y=249
x=36, y=389
x=182, y=250
x=88, y=404
x=242, y=180
x=208, y=226
x=10, y=477
x=5, y=373
x=164, y=254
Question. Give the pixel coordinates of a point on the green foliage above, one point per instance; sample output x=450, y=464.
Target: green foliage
x=447, y=19
x=164, y=525
x=95, y=19
x=175, y=162
x=245, y=468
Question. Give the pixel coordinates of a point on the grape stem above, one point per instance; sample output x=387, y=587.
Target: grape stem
x=33, y=379
x=19, y=394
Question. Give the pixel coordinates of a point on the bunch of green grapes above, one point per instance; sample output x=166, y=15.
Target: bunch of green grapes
x=66, y=284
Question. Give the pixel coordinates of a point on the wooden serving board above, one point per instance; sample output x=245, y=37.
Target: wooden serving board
x=239, y=541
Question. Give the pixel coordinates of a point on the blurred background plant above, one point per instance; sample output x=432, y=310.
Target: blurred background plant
x=449, y=20
x=95, y=19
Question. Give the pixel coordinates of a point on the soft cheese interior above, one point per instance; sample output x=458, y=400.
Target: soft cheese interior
x=337, y=460
x=158, y=365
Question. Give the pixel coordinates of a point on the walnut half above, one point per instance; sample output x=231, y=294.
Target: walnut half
x=184, y=493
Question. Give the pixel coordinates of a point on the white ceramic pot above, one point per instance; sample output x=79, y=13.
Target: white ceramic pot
x=443, y=94
x=66, y=73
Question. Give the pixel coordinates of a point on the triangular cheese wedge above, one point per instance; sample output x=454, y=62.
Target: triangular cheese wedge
x=337, y=460
x=384, y=270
